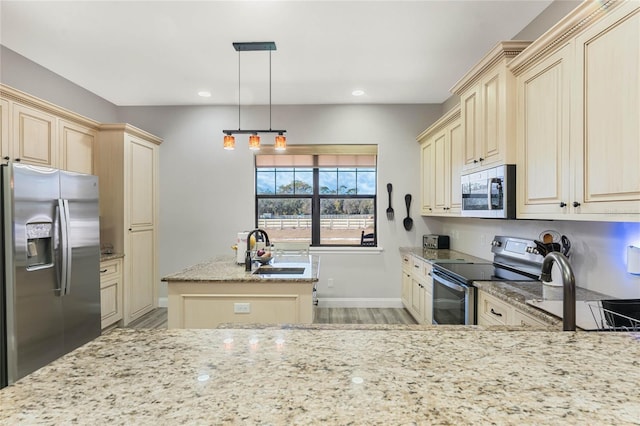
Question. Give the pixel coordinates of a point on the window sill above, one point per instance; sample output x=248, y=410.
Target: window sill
x=346, y=250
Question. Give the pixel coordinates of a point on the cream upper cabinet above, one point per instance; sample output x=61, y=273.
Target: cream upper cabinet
x=141, y=178
x=127, y=164
x=487, y=101
x=606, y=129
x=4, y=130
x=34, y=131
x=455, y=162
x=77, y=146
x=35, y=139
x=578, y=108
x=543, y=171
x=426, y=177
x=441, y=165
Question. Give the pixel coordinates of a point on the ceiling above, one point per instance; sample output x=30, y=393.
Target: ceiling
x=165, y=52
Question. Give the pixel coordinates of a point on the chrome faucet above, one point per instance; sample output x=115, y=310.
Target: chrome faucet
x=568, y=285
x=247, y=256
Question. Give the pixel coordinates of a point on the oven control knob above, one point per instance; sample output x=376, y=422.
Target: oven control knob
x=496, y=243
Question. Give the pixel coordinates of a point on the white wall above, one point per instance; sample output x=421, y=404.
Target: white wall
x=207, y=193
x=23, y=74
x=598, y=252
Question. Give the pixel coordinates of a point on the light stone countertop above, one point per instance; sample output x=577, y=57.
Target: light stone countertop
x=412, y=375
x=441, y=255
x=111, y=256
x=225, y=269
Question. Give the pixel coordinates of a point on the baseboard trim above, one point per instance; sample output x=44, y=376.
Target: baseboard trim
x=163, y=302
x=335, y=302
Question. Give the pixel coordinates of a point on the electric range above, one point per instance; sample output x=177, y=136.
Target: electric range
x=454, y=297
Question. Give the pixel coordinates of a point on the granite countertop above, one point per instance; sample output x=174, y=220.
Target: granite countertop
x=434, y=375
x=441, y=255
x=225, y=269
x=110, y=256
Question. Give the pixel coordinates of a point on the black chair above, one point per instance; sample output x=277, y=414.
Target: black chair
x=368, y=239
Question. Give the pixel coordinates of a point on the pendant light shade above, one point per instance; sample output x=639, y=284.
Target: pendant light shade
x=254, y=139
x=229, y=142
x=254, y=142
x=281, y=142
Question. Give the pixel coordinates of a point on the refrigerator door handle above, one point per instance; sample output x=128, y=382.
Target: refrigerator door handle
x=64, y=244
x=57, y=249
x=67, y=248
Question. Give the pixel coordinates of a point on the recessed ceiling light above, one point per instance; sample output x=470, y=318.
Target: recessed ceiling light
x=204, y=94
x=357, y=92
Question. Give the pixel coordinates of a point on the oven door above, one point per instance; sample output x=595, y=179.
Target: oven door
x=453, y=302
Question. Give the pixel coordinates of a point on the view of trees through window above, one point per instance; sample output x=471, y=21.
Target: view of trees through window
x=345, y=201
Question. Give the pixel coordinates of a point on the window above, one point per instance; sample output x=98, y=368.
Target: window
x=325, y=199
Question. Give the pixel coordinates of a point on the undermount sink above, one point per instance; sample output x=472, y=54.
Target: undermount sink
x=275, y=270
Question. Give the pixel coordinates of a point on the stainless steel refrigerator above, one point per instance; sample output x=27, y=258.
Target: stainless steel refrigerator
x=50, y=266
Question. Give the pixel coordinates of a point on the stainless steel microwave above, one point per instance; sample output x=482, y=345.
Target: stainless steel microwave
x=490, y=193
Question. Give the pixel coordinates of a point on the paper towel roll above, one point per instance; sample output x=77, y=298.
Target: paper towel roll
x=633, y=260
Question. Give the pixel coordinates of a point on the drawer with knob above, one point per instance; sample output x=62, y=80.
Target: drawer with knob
x=493, y=310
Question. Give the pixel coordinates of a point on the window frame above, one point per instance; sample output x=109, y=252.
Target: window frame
x=316, y=197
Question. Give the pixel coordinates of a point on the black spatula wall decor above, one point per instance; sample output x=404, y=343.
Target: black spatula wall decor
x=407, y=222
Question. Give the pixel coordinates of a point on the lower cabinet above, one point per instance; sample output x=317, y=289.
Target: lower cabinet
x=493, y=311
x=111, y=291
x=140, y=290
x=427, y=295
x=209, y=304
x=417, y=288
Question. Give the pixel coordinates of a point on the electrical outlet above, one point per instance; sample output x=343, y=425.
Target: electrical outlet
x=330, y=283
x=242, y=308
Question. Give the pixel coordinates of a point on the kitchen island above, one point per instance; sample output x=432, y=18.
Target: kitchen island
x=220, y=291
x=336, y=375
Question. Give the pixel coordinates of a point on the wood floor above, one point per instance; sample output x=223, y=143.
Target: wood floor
x=158, y=317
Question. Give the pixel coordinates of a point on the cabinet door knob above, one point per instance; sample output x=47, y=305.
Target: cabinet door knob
x=102, y=271
x=496, y=313
x=130, y=229
x=576, y=204
x=563, y=204
x=475, y=161
x=6, y=158
x=481, y=159
x=16, y=159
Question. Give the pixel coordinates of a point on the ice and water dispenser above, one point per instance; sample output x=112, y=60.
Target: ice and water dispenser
x=39, y=245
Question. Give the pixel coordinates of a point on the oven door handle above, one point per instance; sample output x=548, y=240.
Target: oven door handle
x=455, y=286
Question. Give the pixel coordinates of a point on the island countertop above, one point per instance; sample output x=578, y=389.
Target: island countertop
x=224, y=269
x=280, y=375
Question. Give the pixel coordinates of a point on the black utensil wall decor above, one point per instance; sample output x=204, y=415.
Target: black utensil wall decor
x=389, y=209
x=407, y=222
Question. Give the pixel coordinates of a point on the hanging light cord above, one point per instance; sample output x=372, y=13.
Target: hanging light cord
x=239, y=90
x=253, y=46
x=269, y=90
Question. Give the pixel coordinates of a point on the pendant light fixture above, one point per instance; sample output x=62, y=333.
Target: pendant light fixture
x=254, y=138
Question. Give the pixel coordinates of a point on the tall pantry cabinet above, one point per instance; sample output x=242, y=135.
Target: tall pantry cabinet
x=127, y=163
